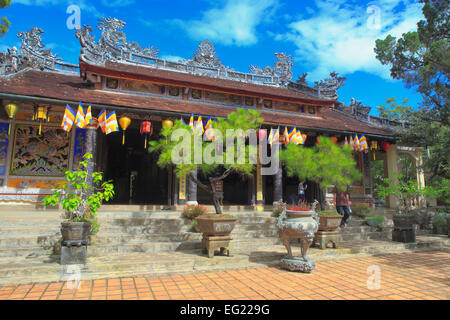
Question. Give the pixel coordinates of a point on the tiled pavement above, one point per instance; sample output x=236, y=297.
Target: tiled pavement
x=424, y=275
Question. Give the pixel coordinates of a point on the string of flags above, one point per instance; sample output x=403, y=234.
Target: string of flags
x=357, y=143
x=107, y=122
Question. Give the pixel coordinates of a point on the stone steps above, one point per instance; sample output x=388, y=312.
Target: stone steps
x=45, y=269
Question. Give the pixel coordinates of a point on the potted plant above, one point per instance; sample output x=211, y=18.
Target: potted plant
x=216, y=224
x=192, y=212
x=440, y=222
x=80, y=196
x=376, y=221
x=329, y=220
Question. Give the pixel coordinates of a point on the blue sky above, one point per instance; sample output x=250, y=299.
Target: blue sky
x=321, y=35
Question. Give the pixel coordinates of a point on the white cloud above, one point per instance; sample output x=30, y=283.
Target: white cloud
x=340, y=36
x=117, y=3
x=233, y=24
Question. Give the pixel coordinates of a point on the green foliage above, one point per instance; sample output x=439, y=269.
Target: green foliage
x=328, y=213
x=4, y=24
x=422, y=60
x=440, y=223
x=360, y=210
x=375, y=221
x=395, y=111
x=79, y=199
x=240, y=119
x=326, y=163
x=406, y=191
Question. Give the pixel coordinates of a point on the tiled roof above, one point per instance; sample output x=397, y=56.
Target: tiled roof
x=73, y=89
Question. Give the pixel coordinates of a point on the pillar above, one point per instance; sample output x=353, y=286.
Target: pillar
x=391, y=169
x=259, y=188
x=278, y=185
x=91, y=147
x=192, y=187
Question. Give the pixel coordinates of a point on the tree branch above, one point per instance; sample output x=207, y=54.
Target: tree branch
x=200, y=184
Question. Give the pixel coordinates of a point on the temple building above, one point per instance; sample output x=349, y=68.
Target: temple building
x=118, y=75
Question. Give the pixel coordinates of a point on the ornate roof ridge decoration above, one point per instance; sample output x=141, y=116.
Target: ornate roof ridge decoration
x=282, y=69
x=113, y=46
x=33, y=55
x=328, y=87
x=361, y=113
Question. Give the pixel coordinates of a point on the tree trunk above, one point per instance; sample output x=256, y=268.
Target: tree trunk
x=217, y=202
x=91, y=144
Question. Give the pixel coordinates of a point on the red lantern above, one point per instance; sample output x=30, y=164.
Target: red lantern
x=146, y=129
x=385, y=145
x=334, y=139
x=262, y=133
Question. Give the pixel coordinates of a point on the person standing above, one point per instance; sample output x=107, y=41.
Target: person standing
x=342, y=201
x=302, y=186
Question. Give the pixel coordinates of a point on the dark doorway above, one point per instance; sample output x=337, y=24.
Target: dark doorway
x=136, y=176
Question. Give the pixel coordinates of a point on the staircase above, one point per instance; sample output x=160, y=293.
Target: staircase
x=157, y=242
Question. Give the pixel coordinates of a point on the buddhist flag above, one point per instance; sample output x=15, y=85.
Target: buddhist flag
x=209, y=131
x=356, y=142
x=363, y=143
x=111, y=123
x=80, y=122
x=271, y=137
x=276, y=137
x=182, y=121
x=285, y=138
x=191, y=123
x=346, y=141
x=352, y=143
x=68, y=119
x=293, y=135
x=199, y=125
x=88, y=119
x=299, y=138
x=102, y=120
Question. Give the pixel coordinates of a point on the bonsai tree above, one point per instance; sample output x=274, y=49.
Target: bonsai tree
x=325, y=163
x=224, y=159
x=80, y=198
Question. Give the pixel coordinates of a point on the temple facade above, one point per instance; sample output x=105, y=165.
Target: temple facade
x=118, y=75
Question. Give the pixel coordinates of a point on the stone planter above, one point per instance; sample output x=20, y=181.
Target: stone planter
x=216, y=226
x=75, y=233
x=329, y=223
x=403, y=222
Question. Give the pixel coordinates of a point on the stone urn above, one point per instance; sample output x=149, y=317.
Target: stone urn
x=216, y=225
x=75, y=233
x=329, y=223
x=300, y=225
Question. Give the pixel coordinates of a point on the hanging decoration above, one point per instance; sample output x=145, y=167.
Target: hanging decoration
x=11, y=109
x=374, y=147
x=146, y=130
x=304, y=137
x=124, y=123
x=334, y=139
x=385, y=146
x=41, y=114
x=262, y=133
x=167, y=123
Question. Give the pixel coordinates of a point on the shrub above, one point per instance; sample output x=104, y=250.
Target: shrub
x=376, y=221
x=440, y=223
x=193, y=211
x=328, y=213
x=360, y=210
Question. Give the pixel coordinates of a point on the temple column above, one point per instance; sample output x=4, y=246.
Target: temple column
x=391, y=170
x=259, y=188
x=91, y=147
x=278, y=185
x=192, y=187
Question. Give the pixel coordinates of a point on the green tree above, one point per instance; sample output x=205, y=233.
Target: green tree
x=326, y=163
x=4, y=24
x=421, y=59
x=239, y=120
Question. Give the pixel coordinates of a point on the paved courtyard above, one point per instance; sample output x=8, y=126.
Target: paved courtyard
x=423, y=275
